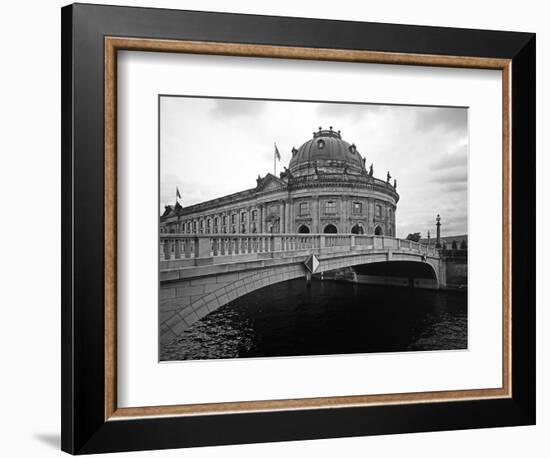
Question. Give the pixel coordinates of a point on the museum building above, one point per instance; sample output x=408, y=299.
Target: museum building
x=326, y=189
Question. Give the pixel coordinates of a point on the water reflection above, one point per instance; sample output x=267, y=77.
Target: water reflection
x=288, y=319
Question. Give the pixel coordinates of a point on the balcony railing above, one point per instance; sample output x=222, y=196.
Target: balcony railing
x=184, y=246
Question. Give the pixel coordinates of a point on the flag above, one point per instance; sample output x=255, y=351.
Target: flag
x=178, y=195
x=277, y=154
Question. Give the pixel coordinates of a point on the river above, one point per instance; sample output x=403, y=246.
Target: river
x=327, y=318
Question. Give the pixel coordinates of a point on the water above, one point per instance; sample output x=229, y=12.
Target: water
x=330, y=317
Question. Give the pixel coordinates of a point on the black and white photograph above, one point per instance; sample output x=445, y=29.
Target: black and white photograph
x=299, y=228
x=265, y=229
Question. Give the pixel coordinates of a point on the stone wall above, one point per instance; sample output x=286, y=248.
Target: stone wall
x=456, y=268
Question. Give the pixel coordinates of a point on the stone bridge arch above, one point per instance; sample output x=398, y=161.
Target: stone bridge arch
x=406, y=273
x=186, y=301
x=193, y=299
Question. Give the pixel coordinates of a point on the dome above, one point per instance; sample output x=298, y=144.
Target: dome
x=326, y=147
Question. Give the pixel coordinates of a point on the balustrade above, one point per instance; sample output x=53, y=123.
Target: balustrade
x=184, y=246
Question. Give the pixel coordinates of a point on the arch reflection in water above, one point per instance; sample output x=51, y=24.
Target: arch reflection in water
x=330, y=317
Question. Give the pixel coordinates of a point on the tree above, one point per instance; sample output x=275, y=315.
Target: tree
x=463, y=245
x=414, y=237
x=453, y=246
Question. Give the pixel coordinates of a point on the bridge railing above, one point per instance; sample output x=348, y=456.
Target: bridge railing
x=187, y=246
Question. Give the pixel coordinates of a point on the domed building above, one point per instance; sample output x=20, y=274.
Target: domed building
x=326, y=188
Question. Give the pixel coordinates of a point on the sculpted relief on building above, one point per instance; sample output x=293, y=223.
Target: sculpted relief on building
x=326, y=188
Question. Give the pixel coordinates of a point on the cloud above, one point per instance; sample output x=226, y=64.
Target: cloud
x=238, y=107
x=454, y=225
x=457, y=186
x=350, y=110
x=449, y=119
x=458, y=175
x=456, y=158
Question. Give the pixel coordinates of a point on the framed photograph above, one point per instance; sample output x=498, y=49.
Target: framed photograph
x=282, y=228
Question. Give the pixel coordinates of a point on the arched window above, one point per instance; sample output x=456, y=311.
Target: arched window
x=357, y=229
x=303, y=229
x=330, y=229
x=378, y=231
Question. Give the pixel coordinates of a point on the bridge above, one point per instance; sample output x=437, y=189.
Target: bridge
x=200, y=273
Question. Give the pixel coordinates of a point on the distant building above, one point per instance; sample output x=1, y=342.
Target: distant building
x=326, y=188
x=446, y=242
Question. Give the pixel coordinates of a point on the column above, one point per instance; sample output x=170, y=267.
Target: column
x=287, y=217
x=368, y=216
x=282, y=213
x=293, y=226
x=372, y=214
x=315, y=212
x=345, y=214
x=261, y=216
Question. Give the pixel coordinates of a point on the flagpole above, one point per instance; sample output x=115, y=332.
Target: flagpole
x=276, y=157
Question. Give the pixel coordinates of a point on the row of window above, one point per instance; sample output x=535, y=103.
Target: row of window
x=304, y=210
x=330, y=208
x=233, y=229
x=330, y=228
x=357, y=229
x=216, y=220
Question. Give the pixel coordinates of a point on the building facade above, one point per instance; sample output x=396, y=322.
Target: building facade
x=326, y=189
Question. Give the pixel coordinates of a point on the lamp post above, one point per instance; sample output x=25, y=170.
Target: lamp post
x=438, y=231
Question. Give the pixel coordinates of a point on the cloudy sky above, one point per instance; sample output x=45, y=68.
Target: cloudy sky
x=213, y=147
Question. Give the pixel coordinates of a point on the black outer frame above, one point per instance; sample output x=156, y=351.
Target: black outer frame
x=84, y=429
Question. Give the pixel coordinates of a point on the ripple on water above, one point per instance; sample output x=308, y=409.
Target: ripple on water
x=288, y=319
